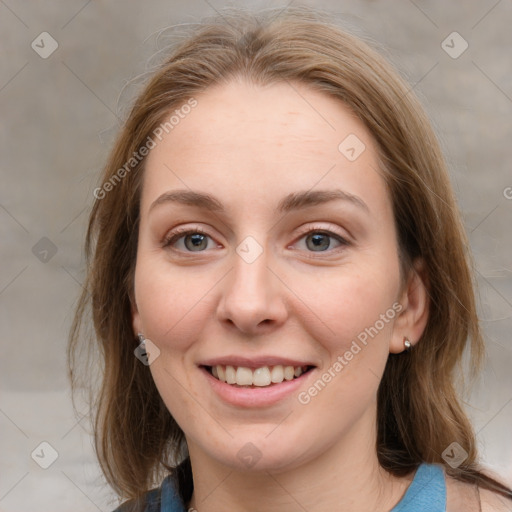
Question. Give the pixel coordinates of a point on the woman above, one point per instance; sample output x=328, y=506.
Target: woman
x=280, y=285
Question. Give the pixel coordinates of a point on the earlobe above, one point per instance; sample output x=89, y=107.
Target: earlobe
x=136, y=321
x=413, y=318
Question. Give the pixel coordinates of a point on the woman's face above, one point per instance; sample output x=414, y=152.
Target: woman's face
x=290, y=260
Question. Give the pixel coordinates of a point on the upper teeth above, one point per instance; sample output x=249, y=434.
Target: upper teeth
x=263, y=376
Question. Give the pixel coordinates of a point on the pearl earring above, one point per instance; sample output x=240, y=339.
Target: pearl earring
x=407, y=344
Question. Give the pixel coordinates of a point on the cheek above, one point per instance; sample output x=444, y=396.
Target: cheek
x=346, y=304
x=353, y=325
x=171, y=302
x=172, y=305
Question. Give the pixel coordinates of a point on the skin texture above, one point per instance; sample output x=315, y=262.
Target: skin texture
x=250, y=146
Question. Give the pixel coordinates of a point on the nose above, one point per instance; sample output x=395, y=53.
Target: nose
x=253, y=297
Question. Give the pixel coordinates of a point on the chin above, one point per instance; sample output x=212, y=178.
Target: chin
x=258, y=453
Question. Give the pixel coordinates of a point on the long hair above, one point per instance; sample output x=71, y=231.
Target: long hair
x=419, y=413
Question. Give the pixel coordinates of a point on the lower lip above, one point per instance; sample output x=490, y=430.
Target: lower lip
x=256, y=396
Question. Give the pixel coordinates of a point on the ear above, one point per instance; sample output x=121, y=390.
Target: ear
x=413, y=317
x=136, y=320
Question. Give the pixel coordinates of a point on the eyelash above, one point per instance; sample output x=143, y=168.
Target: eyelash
x=180, y=233
x=174, y=236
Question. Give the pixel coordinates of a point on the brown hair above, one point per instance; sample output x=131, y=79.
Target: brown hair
x=419, y=413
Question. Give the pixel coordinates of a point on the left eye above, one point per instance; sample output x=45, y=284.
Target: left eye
x=320, y=241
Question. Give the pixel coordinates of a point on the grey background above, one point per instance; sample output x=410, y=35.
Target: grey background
x=58, y=119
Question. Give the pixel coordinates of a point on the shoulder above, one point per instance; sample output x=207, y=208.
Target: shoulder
x=492, y=502
x=467, y=497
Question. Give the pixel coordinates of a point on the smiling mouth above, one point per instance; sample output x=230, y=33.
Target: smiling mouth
x=265, y=376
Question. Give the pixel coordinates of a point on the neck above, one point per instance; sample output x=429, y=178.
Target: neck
x=345, y=476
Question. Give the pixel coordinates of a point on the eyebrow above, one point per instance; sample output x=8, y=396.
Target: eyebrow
x=293, y=201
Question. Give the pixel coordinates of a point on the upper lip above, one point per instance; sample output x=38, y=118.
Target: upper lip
x=254, y=362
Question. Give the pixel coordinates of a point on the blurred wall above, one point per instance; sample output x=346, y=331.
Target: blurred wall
x=63, y=66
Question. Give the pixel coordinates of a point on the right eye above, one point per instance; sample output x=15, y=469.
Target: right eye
x=193, y=240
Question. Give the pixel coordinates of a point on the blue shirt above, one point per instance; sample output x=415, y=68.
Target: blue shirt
x=426, y=493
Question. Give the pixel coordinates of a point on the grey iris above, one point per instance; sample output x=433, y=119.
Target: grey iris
x=319, y=241
x=198, y=240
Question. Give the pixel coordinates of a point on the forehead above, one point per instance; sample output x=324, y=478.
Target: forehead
x=265, y=141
